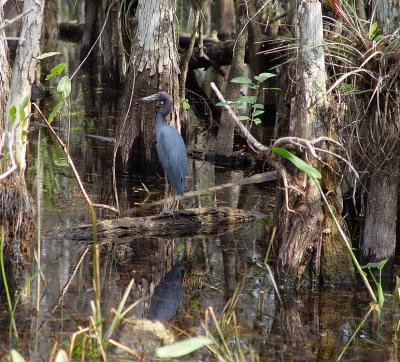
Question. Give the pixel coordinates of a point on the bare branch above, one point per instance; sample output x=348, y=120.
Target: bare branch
x=251, y=141
x=13, y=20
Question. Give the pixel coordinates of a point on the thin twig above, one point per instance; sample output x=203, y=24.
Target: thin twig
x=7, y=23
x=95, y=42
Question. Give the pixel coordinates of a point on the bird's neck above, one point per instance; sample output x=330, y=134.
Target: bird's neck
x=162, y=113
x=165, y=109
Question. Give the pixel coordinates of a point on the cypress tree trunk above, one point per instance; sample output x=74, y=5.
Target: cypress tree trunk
x=224, y=143
x=310, y=249
x=4, y=72
x=153, y=66
x=381, y=214
x=226, y=24
x=112, y=53
x=16, y=205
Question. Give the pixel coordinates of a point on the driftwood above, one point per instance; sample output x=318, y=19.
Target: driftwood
x=202, y=221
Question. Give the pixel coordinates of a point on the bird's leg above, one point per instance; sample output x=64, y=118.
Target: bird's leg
x=165, y=207
x=174, y=202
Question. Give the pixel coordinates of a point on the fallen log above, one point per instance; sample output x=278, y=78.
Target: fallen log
x=190, y=222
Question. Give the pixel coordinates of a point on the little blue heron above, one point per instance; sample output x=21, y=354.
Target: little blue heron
x=171, y=149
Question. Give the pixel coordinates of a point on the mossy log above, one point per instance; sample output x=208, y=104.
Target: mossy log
x=201, y=221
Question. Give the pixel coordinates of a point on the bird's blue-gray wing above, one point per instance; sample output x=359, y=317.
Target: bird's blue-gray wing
x=172, y=153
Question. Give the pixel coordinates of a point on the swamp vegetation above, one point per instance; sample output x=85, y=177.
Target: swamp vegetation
x=285, y=243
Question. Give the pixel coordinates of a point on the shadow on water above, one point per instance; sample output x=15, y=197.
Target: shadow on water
x=305, y=327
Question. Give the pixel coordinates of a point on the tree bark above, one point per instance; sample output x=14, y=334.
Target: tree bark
x=112, y=53
x=381, y=214
x=226, y=24
x=153, y=66
x=50, y=32
x=4, y=72
x=381, y=218
x=17, y=211
x=89, y=28
x=308, y=232
x=224, y=143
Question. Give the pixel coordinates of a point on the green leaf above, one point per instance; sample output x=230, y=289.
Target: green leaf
x=183, y=348
x=55, y=110
x=13, y=113
x=21, y=114
x=372, y=265
x=258, y=106
x=346, y=87
x=378, y=37
x=16, y=357
x=25, y=102
x=242, y=80
x=375, y=265
x=372, y=30
x=262, y=77
x=244, y=118
x=47, y=55
x=221, y=104
x=55, y=71
x=22, y=107
x=184, y=104
x=382, y=263
x=61, y=356
x=298, y=162
x=257, y=121
x=248, y=99
x=64, y=86
x=257, y=112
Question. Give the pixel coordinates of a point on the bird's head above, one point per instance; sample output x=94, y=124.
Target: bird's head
x=159, y=96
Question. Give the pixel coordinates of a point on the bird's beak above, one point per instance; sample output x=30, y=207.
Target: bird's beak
x=153, y=97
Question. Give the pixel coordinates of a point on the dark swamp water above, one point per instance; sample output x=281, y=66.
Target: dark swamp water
x=303, y=327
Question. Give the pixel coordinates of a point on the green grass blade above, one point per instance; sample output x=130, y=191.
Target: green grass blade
x=184, y=347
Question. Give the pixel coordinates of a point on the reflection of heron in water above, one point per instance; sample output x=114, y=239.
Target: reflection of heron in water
x=167, y=295
x=170, y=146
